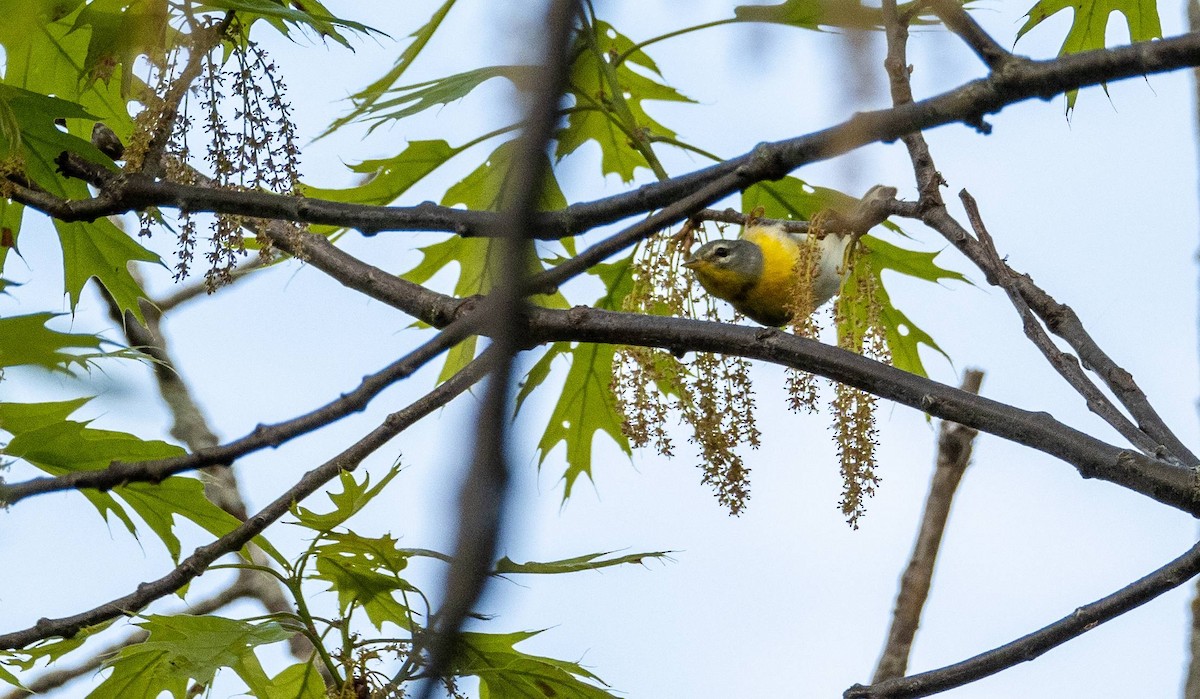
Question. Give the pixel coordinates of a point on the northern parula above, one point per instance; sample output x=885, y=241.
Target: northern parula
x=756, y=273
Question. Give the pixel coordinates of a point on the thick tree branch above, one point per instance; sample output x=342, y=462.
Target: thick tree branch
x=1163, y=480
x=1026, y=648
x=953, y=454
x=196, y=564
x=967, y=104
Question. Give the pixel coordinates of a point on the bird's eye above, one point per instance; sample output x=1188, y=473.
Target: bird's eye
x=721, y=252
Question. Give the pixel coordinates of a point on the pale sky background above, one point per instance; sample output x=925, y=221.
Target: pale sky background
x=784, y=600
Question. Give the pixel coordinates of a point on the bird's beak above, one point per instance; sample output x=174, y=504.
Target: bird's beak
x=690, y=262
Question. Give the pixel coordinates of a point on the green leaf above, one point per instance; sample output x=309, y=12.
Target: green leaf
x=817, y=14
x=535, y=376
x=608, y=102
x=186, y=648
x=25, y=340
x=591, y=561
x=159, y=504
x=11, y=214
x=813, y=14
x=50, y=61
x=507, y=673
x=585, y=406
x=485, y=188
x=8, y=677
x=313, y=14
x=618, y=282
x=101, y=250
x=1089, y=24
x=386, y=178
x=350, y=501
x=586, y=403
x=407, y=100
x=51, y=649
x=122, y=31
x=914, y=263
x=18, y=418
x=37, y=141
x=299, y=681
x=43, y=437
x=365, y=98
x=366, y=572
x=902, y=335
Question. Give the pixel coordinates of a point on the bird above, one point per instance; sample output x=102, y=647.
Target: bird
x=756, y=272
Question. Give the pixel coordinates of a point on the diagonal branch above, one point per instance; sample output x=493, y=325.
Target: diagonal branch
x=196, y=564
x=967, y=104
x=192, y=428
x=1000, y=274
x=241, y=588
x=955, y=443
x=957, y=20
x=263, y=436
x=1026, y=648
x=1059, y=318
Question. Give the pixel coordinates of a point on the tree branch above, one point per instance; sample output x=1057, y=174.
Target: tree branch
x=957, y=20
x=1163, y=480
x=966, y=104
x=953, y=455
x=483, y=495
x=1059, y=318
x=1026, y=648
x=263, y=436
x=1000, y=274
x=194, y=565
x=192, y=428
x=53, y=679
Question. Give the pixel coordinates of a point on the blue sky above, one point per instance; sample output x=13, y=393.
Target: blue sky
x=784, y=600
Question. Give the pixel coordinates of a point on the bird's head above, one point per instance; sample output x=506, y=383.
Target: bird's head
x=727, y=268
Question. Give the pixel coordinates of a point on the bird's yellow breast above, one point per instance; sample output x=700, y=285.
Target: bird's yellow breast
x=768, y=300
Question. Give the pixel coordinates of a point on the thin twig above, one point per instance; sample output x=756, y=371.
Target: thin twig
x=863, y=219
x=957, y=20
x=998, y=272
x=203, y=41
x=1026, y=648
x=193, y=291
x=192, y=428
x=954, y=453
x=1059, y=319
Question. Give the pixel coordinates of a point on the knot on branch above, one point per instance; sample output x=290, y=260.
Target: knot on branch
x=766, y=162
